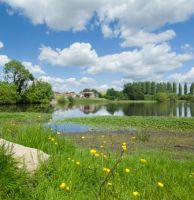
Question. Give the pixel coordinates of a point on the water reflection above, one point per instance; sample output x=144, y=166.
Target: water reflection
x=180, y=109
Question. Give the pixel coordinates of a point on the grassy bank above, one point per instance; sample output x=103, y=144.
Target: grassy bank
x=145, y=175
x=148, y=123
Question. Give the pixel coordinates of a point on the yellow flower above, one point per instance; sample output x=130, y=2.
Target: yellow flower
x=97, y=154
x=124, y=144
x=136, y=194
x=105, y=156
x=102, y=136
x=62, y=186
x=82, y=137
x=69, y=158
x=73, y=160
x=104, y=142
x=161, y=185
x=107, y=170
x=77, y=163
x=56, y=143
x=67, y=188
x=127, y=170
x=109, y=183
x=133, y=138
x=143, y=161
x=124, y=147
x=93, y=151
x=52, y=139
x=101, y=146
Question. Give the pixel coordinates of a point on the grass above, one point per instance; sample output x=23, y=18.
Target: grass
x=83, y=172
x=146, y=123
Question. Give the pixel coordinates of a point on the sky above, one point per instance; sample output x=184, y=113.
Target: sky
x=77, y=44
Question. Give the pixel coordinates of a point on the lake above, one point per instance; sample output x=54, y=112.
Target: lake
x=180, y=109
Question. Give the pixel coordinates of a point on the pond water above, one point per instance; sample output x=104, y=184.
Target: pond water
x=180, y=109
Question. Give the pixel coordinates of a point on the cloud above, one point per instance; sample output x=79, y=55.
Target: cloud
x=78, y=54
x=69, y=84
x=3, y=60
x=1, y=45
x=184, y=77
x=36, y=70
x=151, y=61
x=135, y=22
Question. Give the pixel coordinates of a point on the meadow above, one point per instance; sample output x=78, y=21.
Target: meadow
x=93, y=171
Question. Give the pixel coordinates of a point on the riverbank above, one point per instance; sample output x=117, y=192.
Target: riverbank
x=76, y=172
x=145, y=123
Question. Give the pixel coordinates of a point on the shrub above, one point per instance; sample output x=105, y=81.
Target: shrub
x=161, y=97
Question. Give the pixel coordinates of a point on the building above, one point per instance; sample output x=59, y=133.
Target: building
x=88, y=95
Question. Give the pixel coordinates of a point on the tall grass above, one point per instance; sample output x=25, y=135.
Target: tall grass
x=83, y=172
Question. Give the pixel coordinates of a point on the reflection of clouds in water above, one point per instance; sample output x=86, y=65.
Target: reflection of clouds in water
x=77, y=113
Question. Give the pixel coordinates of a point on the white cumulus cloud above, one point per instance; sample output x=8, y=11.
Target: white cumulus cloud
x=36, y=70
x=1, y=45
x=136, y=22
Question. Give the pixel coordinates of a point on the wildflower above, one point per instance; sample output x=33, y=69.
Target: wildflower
x=107, y=170
x=124, y=146
x=67, y=188
x=101, y=146
x=77, y=163
x=82, y=137
x=93, y=151
x=96, y=154
x=161, y=185
x=127, y=170
x=105, y=156
x=52, y=139
x=62, y=186
x=56, y=143
x=136, y=194
x=133, y=138
x=58, y=133
x=73, y=160
x=109, y=184
x=102, y=136
x=49, y=137
x=104, y=142
x=69, y=158
x=143, y=161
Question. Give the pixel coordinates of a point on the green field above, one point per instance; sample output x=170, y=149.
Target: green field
x=158, y=176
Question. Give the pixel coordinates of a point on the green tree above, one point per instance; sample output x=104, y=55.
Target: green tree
x=180, y=89
x=169, y=87
x=174, y=86
x=8, y=93
x=192, y=89
x=153, y=88
x=16, y=73
x=39, y=92
x=185, y=88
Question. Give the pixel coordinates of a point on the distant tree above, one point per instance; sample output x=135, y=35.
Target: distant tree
x=174, y=88
x=169, y=87
x=185, y=88
x=132, y=91
x=16, y=73
x=180, y=89
x=148, y=87
x=153, y=88
x=192, y=89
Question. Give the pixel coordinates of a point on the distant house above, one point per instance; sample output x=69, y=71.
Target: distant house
x=88, y=95
x=71, y=94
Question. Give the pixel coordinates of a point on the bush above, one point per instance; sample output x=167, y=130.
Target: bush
x=61, y=99
x=173, y=97
x=39, y=92
x=71, y=100
x=8, y=93
x=161, y=97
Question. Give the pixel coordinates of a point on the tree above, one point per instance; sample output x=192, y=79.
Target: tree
x=169, y=87
x=153, y=88
x=39, y=92
x=8, y=93
x=185, y=88
x=16, y=73
x=180, y=89
x=133, y=92
x=192, y=89
x=174, y=86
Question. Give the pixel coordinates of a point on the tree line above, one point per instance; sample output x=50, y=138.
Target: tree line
x=20, y=87
x=153, y=91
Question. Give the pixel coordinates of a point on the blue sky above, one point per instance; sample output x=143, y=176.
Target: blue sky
x=101, y=43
